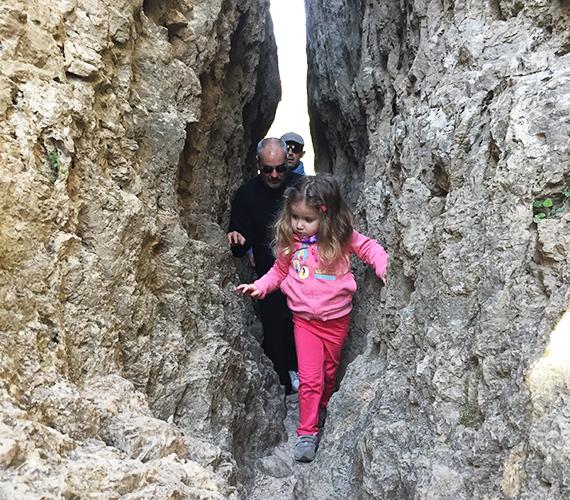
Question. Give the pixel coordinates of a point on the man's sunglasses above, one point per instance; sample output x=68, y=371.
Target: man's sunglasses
x=266, y=169
x=295, y=147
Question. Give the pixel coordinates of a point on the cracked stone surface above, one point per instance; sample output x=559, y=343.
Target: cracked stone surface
x=126, y=364
x=451, y=119
x=129, y=369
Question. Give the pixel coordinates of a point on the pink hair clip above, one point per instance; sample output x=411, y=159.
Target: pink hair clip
x=323, y=208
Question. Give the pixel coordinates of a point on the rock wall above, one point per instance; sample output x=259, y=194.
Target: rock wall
x=462, y=385
x=125, y=364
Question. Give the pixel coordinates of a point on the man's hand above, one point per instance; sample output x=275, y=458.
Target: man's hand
x=235, y=238
x=250, y=290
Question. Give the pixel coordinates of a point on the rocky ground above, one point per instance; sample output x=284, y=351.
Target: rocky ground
x=277, y=474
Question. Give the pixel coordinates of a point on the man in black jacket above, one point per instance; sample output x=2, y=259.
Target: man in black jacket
x=254, y=210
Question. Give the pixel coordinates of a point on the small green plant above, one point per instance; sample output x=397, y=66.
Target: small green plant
x=470, y=414
x=555, y=204
x=54, y=163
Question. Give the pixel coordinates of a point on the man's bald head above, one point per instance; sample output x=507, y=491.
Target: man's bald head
x=272, y=161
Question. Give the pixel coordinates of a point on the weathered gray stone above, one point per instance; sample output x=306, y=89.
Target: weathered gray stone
x=464, y=111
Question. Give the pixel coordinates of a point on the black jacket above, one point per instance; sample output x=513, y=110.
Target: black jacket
x=254, y=210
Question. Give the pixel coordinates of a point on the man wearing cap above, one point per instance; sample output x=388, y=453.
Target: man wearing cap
x=295, y=145
x=254, y=210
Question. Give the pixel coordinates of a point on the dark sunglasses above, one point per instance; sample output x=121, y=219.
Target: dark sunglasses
x=266, y=169
x=295, y=147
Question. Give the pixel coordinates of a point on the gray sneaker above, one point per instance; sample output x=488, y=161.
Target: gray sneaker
x=305, y=448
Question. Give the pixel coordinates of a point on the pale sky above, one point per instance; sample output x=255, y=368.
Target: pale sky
x=292, y=115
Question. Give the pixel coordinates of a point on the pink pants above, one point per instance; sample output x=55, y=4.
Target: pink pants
x=319, y=345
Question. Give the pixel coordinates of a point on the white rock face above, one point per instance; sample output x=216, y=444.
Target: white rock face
x=450, y=119
x=126, y=367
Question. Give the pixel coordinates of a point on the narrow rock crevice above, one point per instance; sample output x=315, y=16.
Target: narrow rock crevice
x=127, y=363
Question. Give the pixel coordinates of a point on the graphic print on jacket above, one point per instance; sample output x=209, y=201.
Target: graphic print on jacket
x=300, y=258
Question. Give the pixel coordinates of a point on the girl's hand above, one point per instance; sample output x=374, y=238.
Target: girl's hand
x=250, y=290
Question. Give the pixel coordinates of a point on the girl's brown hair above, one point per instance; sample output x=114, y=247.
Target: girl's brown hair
x=336, y=223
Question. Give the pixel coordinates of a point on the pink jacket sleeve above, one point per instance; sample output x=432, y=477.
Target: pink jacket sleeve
x=272, y=279
x=371, y=252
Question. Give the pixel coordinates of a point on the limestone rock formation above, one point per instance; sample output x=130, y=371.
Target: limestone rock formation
x=126, y=366
x=451, y=119
x=125, y=363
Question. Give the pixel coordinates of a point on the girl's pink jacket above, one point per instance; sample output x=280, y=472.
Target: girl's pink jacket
x=316, y=294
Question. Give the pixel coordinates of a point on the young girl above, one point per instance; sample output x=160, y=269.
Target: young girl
x=314, y=240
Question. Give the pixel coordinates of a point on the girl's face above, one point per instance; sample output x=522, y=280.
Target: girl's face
x=304, y=219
